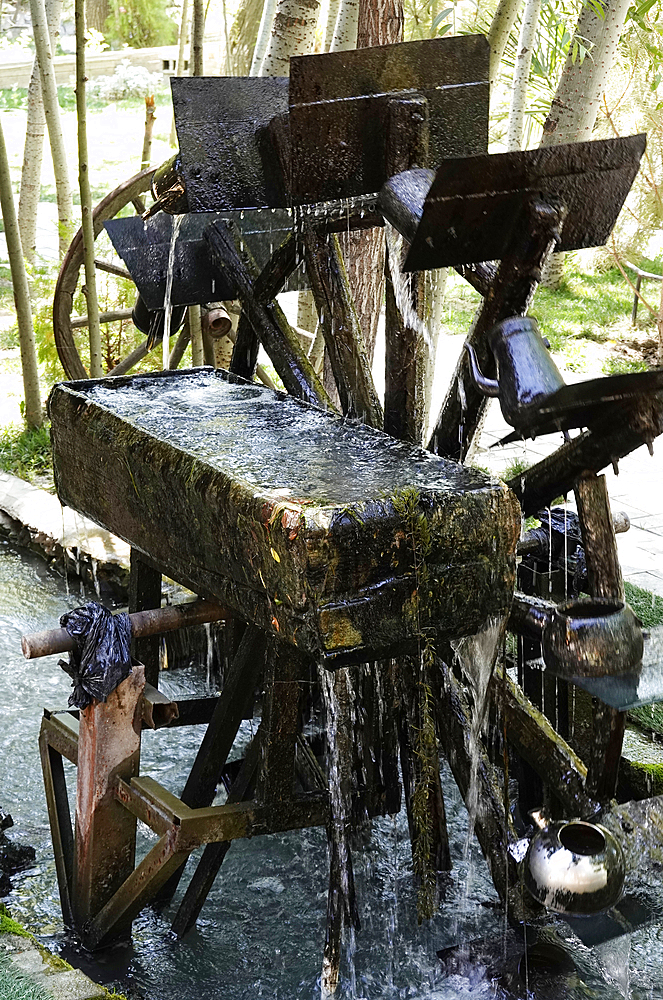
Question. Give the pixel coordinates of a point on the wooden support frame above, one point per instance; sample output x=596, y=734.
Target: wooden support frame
x=510, y=294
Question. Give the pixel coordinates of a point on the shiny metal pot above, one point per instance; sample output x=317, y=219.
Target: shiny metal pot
x=574, y=867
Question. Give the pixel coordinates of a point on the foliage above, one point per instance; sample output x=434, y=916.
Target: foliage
x=140, y=24
x=127, y=81
x=648, y=607
x=25, y=452
x=243, y=36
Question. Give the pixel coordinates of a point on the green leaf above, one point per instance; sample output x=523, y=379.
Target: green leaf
x=445, y=27
x=437, y=21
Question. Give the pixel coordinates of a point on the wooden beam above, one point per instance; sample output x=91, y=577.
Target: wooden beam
x=341, y=329
x=510, y=294
x=268, y=322
x=605, y=580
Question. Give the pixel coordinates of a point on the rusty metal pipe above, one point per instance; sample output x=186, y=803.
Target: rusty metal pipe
x=216, y=322
x=152, y=622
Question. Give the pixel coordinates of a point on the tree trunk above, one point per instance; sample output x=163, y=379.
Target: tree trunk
x=52, y=114
x=96, y=12
x=33, y=151
x=196, y=67
x=90, y=287
x=330, y=26
x=500, y=29
x=576, y=102
x=33, y=413
x=264, y=32
x=514, y=138
x=379, y=23
x=293, y=34
x=181, y=49
x=345, y=29
x=243, y=35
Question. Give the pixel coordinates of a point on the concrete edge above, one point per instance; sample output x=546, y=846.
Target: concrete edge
x=55, y=977
x=71, y=544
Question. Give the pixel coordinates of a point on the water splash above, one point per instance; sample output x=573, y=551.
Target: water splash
x=336, y=691
x=168, y=293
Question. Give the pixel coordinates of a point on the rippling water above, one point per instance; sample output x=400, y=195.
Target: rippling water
x=261, y=932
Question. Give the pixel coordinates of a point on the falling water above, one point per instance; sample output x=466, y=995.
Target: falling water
x=167, y=297
x=402, y=287
x=477, y=655
x=341, y=889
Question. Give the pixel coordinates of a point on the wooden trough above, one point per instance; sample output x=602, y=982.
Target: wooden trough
x=281, y=511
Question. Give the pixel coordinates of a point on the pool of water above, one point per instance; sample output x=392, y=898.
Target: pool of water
x=261, y=932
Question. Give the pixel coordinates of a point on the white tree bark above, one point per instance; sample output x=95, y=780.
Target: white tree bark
x=528, y=28
x=33, y=412
x=293, y=34
x=576, y=103
x=345, y=31
x=33, y=150
x=52, y=114
x=330, y=24
x=264, y=32
x=500, y=29
x=181, y=51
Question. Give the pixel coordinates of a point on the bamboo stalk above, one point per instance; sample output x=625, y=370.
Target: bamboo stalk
x=197, y=35
x=179, y=69
x=52, y=113
x=196, y=331
x=90, y=287
x=33, y=412
x=150, y=115
x=33, y=152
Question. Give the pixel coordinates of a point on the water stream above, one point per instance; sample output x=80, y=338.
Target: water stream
x=168, y=293
x=261, y=932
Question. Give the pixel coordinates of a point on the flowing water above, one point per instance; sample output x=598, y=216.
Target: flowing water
x=261, y=932
x=168, y=293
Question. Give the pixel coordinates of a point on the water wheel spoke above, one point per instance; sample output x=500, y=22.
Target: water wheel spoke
x=77, y=322
x=119, y=272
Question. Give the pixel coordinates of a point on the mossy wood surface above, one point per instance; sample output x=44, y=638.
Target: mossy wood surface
x=283, y=511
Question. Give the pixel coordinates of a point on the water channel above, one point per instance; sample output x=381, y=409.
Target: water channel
x=261, y=932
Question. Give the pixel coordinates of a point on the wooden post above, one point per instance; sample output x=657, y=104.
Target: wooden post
x=605, y=580
x=108, y=748
x=627, y=427
x=144, y=595
x=407, y=146
x=340, y=327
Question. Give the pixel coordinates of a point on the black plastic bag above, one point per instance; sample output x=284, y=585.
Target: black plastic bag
x=101, y=658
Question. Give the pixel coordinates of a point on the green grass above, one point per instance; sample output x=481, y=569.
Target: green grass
x=15, y=985
x=584, y=320
x=649, y=609
x=587, y=307
x=26, y=453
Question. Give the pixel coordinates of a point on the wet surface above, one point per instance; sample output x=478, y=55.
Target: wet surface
x=272, y=442
x=220, y=121
x=344, y=97
x=144, y=246
x=474, y=205
x=261, y=932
